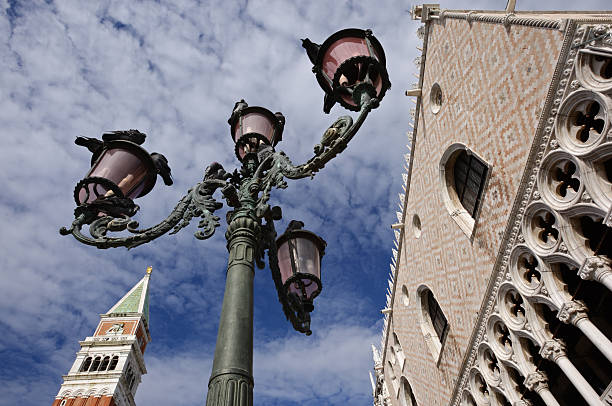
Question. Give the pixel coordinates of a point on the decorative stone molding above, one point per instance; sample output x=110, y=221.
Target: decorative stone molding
x=504, y=19
x=572, y=312
x=536, y=381
x=553, y=350
x=595, y=268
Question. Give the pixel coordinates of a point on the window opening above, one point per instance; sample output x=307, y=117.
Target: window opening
x=528, y=268
x=602, y=66
x=587, y=119
x=548, y=233
x=438, y=320
x=104, y=364
x=598, y=235
x=469, y=173
x=95, y=365
x=406, y=396
x=435, y=98
x=86, y=364
x=566, y=179
x=113, y=363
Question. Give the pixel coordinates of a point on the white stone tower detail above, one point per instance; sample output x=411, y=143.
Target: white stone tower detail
x=110, y=364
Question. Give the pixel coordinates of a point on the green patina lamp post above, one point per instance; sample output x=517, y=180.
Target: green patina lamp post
x=350, y=67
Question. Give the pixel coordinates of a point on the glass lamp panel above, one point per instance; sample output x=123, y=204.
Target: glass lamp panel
x=340, y=51
x=307, y=261
x=376, y=81
x=252, y=145
x=122, y=167
x=254, y=122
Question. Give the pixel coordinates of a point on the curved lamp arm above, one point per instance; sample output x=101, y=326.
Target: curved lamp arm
x=334, y=140
x=198, y=202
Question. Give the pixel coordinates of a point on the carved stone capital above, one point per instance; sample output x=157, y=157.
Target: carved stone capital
x=536, y=381
x=573, y=311
x=595, y=268
x=553, y=350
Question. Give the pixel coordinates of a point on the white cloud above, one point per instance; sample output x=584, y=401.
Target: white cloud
x=174, y=69
x=329, y=367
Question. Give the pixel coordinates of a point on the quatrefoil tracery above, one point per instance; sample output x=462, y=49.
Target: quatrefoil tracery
x=587, y=120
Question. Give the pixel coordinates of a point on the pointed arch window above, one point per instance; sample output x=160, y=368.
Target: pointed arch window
x=438, y=320
x=396, y=348
x=113, y=363
x=434, y=324
x=391, y=372
x=463, y=180
x=406, y=396
x=104, y=364
x=86, y=364
x=469, y=174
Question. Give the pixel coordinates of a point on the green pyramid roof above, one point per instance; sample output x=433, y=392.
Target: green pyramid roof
x=136, y=300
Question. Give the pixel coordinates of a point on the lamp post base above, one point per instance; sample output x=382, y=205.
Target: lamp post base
x=230, y=389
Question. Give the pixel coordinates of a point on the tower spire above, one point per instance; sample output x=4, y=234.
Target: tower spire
x=110, y=364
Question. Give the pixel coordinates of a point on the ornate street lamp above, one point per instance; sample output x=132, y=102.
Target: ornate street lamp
x=350, y=67
x=348, y=64
x=299, y=268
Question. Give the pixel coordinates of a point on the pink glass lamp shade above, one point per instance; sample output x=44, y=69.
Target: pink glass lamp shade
x=254, y=127
x=122, y=169
x=299, y=261
x=345, y=62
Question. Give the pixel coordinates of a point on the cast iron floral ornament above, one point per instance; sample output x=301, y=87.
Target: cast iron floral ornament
x=350, y=67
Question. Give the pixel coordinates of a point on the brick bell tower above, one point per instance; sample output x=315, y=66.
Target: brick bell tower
x=110, y=364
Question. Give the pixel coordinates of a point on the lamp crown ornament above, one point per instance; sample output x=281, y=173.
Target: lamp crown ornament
x=350, y=68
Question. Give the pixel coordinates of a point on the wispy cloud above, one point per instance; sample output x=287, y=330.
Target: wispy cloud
x=174, y=69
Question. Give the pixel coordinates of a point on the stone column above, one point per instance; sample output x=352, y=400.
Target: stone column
x=554, y=350
x=231, y=380
x=538, y=382
x=575, y=312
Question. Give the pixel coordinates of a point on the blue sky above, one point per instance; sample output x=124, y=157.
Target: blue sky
x=173, y=69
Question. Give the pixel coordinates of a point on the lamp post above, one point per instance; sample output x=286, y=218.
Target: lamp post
x=350, y=67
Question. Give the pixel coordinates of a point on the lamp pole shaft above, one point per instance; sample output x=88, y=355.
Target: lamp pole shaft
x=231, y=380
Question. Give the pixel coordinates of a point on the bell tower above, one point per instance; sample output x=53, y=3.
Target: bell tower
x=110, y=364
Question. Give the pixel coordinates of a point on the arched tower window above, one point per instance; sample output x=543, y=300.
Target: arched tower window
x=113, y=363
x=95, y=365
x=86, y=364
x=463, y=178
x=104, y=364
x=433, y=321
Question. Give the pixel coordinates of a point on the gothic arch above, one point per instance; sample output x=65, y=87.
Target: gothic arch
x=406, y=396
x=398, y=352
x=434, y=324
x=463, y=210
